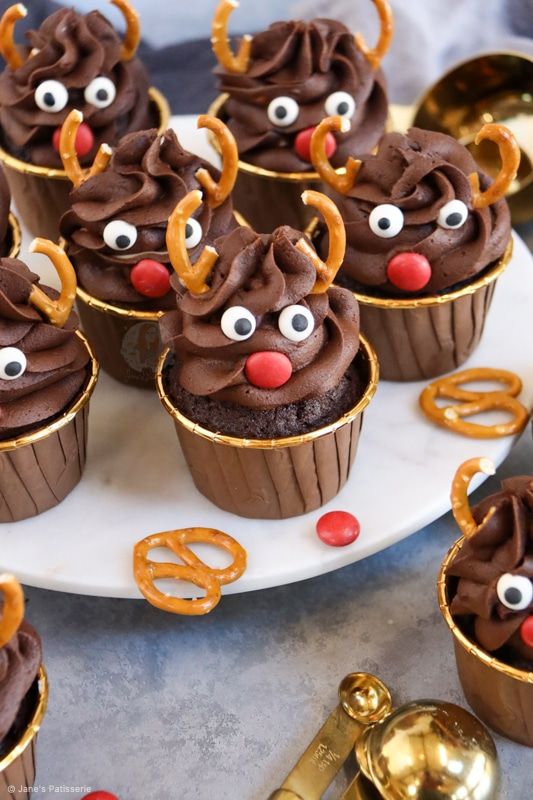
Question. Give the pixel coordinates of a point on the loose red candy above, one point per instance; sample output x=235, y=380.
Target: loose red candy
x=150, y=278
x=338, y=528
x=302, y=144
x=100, y=796
x=268, y=369
x=526, y=632
x=84, y=140
x=409, y=271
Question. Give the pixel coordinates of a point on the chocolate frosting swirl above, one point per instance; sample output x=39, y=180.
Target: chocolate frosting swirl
x=504, y=544
x=147, y=177
x=420, y=172
x=73, y=49
x=265, y=274
x=20, y=660
x=57, y=360
x=307, y=61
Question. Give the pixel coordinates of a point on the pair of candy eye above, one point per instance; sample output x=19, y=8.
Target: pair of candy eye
x=387, y=220
x=52, y=96
x=121, y=235
x=284, y=111
x=12, y=363
x=515, y=591
x=295, y=323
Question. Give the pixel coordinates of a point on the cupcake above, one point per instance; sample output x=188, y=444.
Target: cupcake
x=23, y=693
x=72, y=61
x=427, y=236
x=265, y=374
x=486, y=597
x=278, y=88
x=115, y=235
x=9, y=227
x=47, y=374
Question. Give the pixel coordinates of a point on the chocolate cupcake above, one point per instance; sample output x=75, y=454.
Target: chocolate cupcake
x=115, y=234
x=72, y=61
x=486, y=596
x=265, y=376
x=278, y=88
x=23, y=693
x=427, y=236
x=47, y=374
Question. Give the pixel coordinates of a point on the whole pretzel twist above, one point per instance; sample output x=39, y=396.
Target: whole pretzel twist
x=459, y=497
x=470, y=403
x=193, y=569
x=13, y=609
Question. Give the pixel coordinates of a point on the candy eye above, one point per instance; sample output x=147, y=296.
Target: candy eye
x=515, y=591
x=386, y=221
x=340, y=104
x=237, y=323
x=193, y=233
x=120, y=235
x=12, y=363
x=101, y=92
x=453, y=215
x=283, y=111
x=51, y=96
x=296, y=323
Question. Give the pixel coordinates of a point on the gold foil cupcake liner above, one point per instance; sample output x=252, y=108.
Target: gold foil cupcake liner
x=16, y=236
x=366, y=351
x=33, y=726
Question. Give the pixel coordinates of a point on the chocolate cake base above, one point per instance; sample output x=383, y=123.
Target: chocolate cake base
x=40, y=201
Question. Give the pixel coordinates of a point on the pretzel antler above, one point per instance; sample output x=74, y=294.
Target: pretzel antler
x=69, y=157
x=220, y=40
x=375, y=56
x=8, y=48
x=57, y=311
x=194, y=277
x=460, y=505
x=341, y=181
x=218, y=192
x=132, y=37
x=337, y=241
x=13, y=610
x=510, y=156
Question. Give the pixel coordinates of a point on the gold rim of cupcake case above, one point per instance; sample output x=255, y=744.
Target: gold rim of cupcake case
x=215, y=110
x=16, y=236
x=366, y=350
x=51, y=173
x=67, y=416
x=34, y=725
x=466, y=643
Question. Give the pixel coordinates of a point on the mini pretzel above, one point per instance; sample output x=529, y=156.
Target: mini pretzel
x=510, y=156
x=472, y=402
x=8, y=48
x=218, y=192
x=375, y=56
x=193, y=568
x=459, y=497
x=220, y=40
x=342, y=181
x=57, y=311
x=327, y=271
x=13, y=609
x=132, y=37
x=67, y=150
x=194, y=277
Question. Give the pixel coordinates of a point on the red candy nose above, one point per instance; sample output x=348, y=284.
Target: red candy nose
x=84, y=140
x=150, y=278
x=409, y=271
x=526, y=632
x=268, y=369
x=302, y=144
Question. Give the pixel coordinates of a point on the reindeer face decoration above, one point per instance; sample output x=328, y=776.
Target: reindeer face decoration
x=43, y=364
x=416, y=217
x=495, y=565
x=117, y=225
x=285, y=80
x=260, y=325
x=72, y=61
